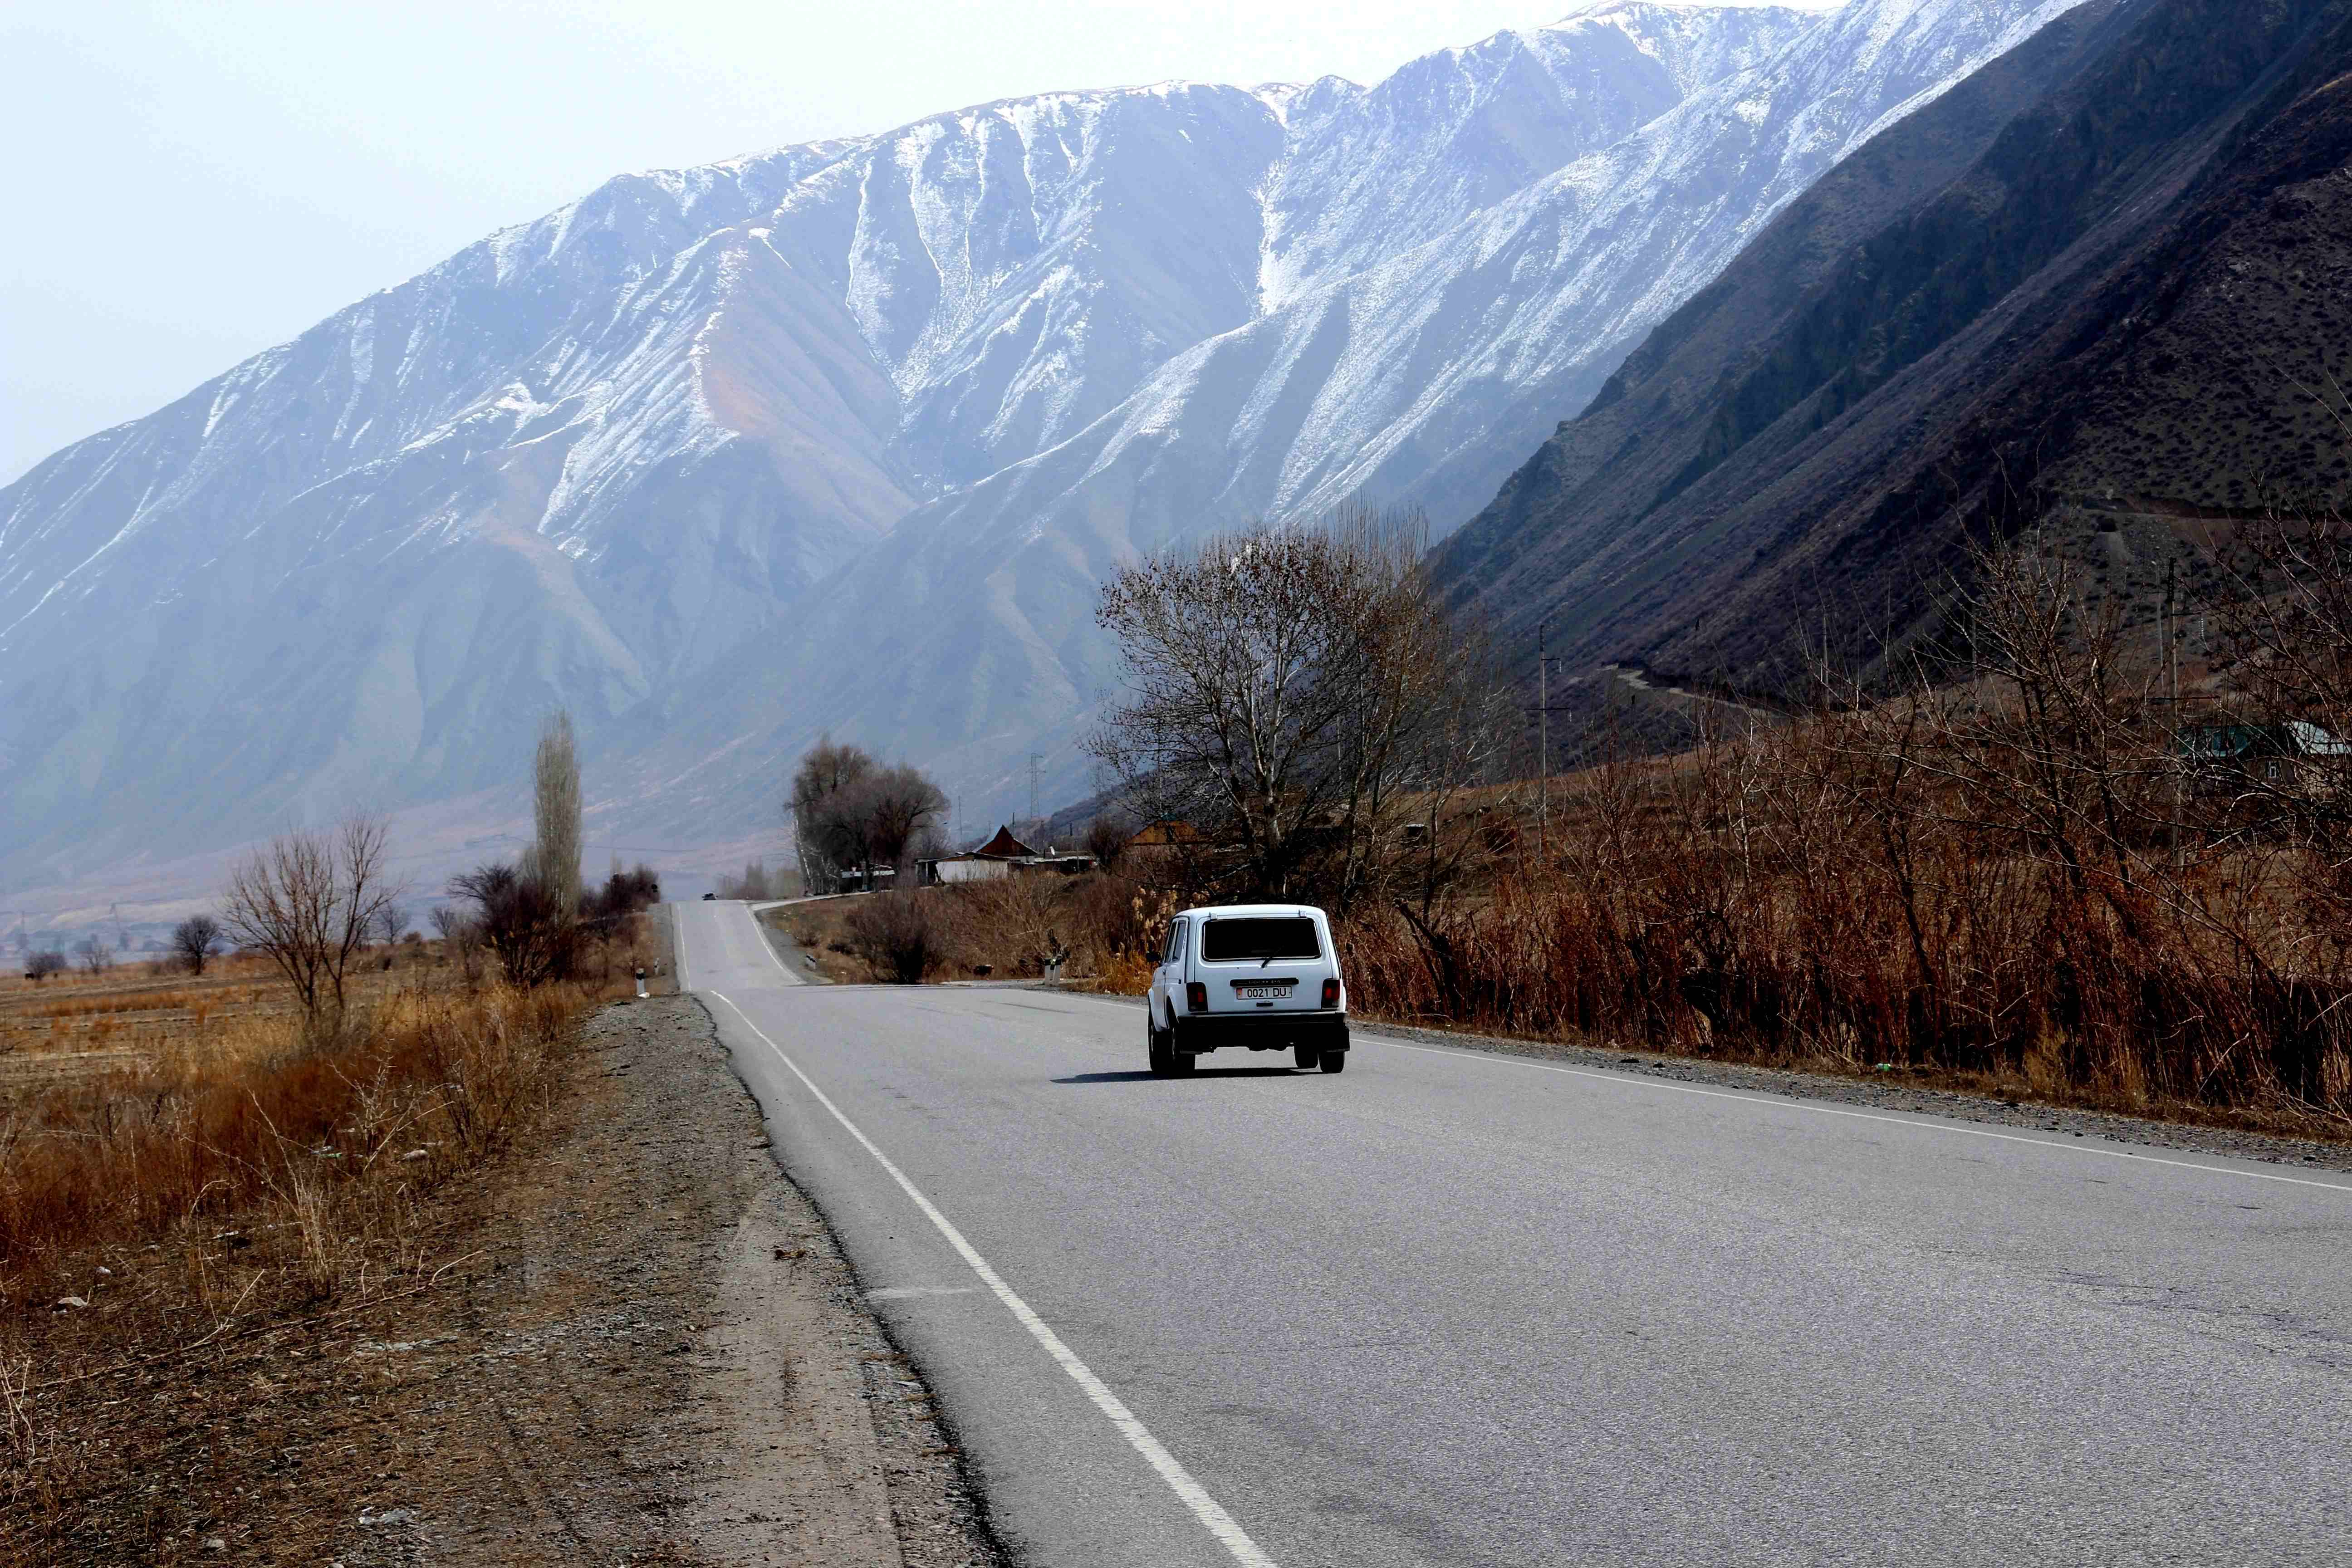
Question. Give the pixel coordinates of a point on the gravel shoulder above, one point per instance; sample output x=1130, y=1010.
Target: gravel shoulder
x=647, y=1349
x=669, y=1361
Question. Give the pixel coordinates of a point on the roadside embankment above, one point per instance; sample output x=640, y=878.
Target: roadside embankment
x=626, y=1337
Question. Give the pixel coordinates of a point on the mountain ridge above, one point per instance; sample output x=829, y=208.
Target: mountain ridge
x=1848, y=449
x=628, y=457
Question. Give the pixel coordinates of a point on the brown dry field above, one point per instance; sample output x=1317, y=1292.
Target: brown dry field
x=622, y=1336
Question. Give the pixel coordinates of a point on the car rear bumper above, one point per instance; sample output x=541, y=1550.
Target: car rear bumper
x=1324, y=1029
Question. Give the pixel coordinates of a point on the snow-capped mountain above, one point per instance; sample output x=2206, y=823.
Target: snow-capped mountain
x=842, y=435
x=1424, y=378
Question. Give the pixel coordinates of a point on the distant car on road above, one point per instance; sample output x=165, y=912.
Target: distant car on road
x=1261, y=975
x=708, y=896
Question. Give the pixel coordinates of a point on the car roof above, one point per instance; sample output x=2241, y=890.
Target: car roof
x=1232, y=912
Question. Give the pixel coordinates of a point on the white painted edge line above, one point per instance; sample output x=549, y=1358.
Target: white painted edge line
x=1180, y=1481
x=677, y=936
x=1929, y=1123
x=769, y=947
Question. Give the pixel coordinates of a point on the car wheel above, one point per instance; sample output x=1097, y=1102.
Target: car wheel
x=1156, y=1051
x=1335, y=1061
x=1308, y=1056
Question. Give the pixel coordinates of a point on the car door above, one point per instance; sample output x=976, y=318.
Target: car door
x=1169, y=978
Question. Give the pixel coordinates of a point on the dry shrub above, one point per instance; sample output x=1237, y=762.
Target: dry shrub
x=897, y=936
x=251, y=1117
x=1829, y=892
x=1096, y=927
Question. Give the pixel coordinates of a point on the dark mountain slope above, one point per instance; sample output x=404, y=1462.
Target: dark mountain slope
x=1916, y=349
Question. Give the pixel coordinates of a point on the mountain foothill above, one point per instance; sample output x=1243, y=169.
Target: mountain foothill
x=1689, y=328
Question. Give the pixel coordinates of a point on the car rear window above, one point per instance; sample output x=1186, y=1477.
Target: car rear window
x=1280, y=936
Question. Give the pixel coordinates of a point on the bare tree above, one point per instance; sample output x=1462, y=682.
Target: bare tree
x=850, y=813
x=390, y=922
x=96, y=955
x=1106, y=839
x=554, y=860
x=42, y=965
x=461, y=940
x=825, y=834
x=894, y=808
x=1287, y=690
x=196, y=940
x=519, y=921
x=309, y=900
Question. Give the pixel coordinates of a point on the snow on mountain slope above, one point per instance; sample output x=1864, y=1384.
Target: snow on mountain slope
x=1371, y=172
x=680, y=429
x=1426, y=377
x=354, y=566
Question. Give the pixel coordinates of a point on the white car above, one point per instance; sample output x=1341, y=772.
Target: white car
x=1261, y=975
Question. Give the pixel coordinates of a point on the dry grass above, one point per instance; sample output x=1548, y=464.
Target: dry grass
x=1769, y=898
x=1098, y=927
x=241, y=1114
x=159, y=1000
x=218, y=1172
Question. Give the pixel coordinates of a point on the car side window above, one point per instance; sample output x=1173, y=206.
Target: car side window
x=1175, y=941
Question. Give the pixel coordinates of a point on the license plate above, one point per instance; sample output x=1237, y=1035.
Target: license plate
x=1262, y=992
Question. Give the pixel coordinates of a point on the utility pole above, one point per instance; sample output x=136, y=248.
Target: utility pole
x=1037, y=760
x=2172, y=667
x=1543, y=746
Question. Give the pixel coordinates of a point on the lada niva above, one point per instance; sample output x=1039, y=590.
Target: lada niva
x=1261, y=975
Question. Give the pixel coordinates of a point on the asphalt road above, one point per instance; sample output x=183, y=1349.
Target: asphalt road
x=1453, y=1307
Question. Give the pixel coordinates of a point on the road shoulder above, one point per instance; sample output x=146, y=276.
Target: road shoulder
x=645, y=1346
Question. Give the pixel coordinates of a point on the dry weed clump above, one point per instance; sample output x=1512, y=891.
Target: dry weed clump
x=249, y=1119
x=1096, y=930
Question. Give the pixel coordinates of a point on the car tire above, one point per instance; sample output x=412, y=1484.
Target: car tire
x=1335, y=1061
x=1158, y=1052
x=1308, y=1056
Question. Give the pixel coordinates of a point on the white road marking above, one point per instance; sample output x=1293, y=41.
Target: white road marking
x=1180, y=1481
x=1929, y=1123
x=728, y=947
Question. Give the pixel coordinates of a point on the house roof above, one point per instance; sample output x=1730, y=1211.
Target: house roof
x=1004, y=846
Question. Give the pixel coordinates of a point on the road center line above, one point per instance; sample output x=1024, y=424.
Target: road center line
x=1180, y=1481
x=1926, y=1123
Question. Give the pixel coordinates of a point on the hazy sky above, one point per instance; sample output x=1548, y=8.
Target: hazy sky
x=191, y=182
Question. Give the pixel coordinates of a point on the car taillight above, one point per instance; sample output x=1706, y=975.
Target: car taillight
x=1196, y=997
x=1331, y=991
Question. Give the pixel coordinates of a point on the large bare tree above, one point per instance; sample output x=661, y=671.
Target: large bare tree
x=894, y=809
x=309, y=900
x=824, y=834
x=851, y=813
x=1289, y=692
